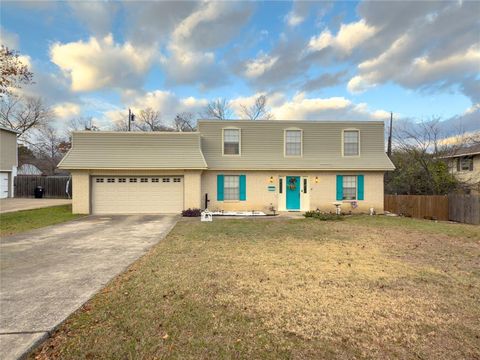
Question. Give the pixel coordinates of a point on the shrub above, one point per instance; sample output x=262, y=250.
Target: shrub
x=191, y=212
x=322, y=216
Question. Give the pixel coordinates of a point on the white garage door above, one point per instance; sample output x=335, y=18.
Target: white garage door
x=136, y=195
x=3, y=185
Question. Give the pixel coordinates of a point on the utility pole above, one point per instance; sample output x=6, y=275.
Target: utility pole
x=389, y=146
x=131, y=118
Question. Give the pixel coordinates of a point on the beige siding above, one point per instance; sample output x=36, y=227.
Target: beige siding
x=262, y=146
x=82, y=185
x=321, y=194
x=471, y=178
x=134, y=150
x=8, y=150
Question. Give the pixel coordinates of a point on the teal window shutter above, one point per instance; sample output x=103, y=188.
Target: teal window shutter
x=339, y=187
x=243, y=187
x=360, y=185
x=219, y=187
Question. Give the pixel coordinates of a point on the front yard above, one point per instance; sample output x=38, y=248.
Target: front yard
x=360, y=288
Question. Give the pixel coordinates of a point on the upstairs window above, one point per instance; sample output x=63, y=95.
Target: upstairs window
x=293, y=142
x=350, y=143
x=231, y=141
x=465, y=163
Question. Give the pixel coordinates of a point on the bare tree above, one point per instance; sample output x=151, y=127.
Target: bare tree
x=218, y=109
x=82, y=124
x=184, y=122
x=50, y=147
x=13, y=71
x=258, y=111
x=417, y=155
x=150, y=120
x=23, y=114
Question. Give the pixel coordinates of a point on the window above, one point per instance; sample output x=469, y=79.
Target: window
x=280, y=186
x=231, y=141
x=165, y=180
x=293, y=142
x=305, y=186
x=122, y=180
x=350, y=142
x=177, y=180
x=111, y=180
x=465, y=163
x=155, y=180
x=144, y=180
x=133, y=180
x=99, y=180
x=349, y=187
x=231, y=187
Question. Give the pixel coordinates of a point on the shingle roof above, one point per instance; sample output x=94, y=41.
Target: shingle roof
x=463, y=151
x=134, y=150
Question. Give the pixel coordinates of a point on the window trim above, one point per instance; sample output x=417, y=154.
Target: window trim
x=239, y=140
x=285, y=142
x=343, y=142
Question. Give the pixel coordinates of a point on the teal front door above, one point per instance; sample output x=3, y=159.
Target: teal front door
x=293, y=192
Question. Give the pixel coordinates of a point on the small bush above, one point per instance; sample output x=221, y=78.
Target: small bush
x=322, y=216
x=191, y=212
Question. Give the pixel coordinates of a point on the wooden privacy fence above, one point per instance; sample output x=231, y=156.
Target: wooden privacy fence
x=455, y=207
x=53, y=186
x=418, y=206
x=464, y=208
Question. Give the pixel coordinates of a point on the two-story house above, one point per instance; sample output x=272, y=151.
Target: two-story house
x=231, y=165
x=8, y=161
x=464, y=164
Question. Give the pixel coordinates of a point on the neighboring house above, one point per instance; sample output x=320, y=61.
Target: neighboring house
x=8, y=161
x=235, y=165
x=29, y=169
x=464, y=163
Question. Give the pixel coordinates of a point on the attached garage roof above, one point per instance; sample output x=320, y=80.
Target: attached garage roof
x=134, y=150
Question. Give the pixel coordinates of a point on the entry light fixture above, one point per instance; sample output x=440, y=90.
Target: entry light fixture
x=271, y=179
x=316, y=179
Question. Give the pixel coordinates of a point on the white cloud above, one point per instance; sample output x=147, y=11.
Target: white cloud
x=257, y=67
x=66, y=110
x=348, y=38
x=322, y=41
x=100, y=63
x=293, y=19
x=417, y=72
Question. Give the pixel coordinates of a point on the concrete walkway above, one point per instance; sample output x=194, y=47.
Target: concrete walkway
x=47, y=274
x=17, y=204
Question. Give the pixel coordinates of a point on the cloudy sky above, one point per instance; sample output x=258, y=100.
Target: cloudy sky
x=313, y=60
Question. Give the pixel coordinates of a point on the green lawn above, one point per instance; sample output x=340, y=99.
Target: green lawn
x=281, y=289
x=20, y=221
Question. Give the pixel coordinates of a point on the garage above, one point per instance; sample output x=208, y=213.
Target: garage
x=137, y=194
x=4, y=185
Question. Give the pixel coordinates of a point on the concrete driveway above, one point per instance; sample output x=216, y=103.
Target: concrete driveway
x=17, y=204
x=47, y=274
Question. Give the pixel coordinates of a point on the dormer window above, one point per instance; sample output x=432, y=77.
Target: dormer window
x=231, y=141
x=293, y=142
x=351, y=142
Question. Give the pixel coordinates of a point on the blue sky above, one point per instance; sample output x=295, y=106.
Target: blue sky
x=313, y=60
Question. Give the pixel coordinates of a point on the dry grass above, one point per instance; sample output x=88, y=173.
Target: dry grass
x=289, y=289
